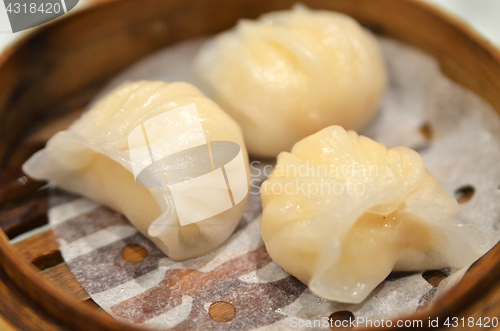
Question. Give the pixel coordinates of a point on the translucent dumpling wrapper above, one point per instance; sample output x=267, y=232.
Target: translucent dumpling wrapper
x=292, y=73
x=340, y=212
x=93, y=158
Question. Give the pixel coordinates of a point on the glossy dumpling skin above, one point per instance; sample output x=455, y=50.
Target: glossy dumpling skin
x=91, y=158
x=292, y=73
x=392, y=214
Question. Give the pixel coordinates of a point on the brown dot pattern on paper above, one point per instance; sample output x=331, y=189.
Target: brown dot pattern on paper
x=221, y=311
x=134, y=253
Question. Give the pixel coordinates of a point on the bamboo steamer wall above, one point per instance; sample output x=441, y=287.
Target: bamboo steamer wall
x=56, y=70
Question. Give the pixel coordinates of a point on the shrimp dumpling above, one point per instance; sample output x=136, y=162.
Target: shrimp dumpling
x=93, y=158
x=292, y=73
x=340, y=212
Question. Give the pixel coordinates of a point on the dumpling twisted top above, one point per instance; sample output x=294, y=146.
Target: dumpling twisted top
x=293, y=72
x=341, y=212
x=92, y=158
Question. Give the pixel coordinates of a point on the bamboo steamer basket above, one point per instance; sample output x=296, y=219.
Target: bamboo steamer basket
x=47, y=78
